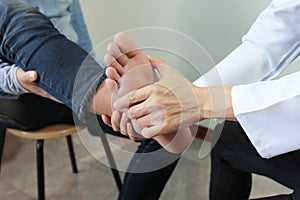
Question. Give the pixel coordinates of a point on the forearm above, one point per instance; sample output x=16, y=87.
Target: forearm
x=215, y=102
x=9, y=82
x=269, y=111
x=266, y=49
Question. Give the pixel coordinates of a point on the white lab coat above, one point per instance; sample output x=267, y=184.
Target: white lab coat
x=268, y=110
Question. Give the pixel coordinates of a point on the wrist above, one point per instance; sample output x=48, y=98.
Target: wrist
x=204, y=102
x=215, y=102
x=19, y=84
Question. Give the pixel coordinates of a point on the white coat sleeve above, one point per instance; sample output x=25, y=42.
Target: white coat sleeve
x=268, y=111
x=269, y=118
x=272, y=43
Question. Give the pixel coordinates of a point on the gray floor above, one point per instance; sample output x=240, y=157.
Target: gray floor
x=94, y=180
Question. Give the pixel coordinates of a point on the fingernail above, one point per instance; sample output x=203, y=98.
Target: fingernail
x=31, y=76
x=114, y=114
x=124, y=116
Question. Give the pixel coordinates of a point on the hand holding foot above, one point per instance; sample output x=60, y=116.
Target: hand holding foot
x=130, y=69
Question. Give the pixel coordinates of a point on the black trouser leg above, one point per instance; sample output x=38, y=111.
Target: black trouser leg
x=148, y=185
x=234, y=159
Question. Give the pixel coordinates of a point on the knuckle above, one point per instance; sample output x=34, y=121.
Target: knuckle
x=156, y=88
x=132, y=112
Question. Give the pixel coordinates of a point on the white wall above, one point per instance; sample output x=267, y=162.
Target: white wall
x=216, y=24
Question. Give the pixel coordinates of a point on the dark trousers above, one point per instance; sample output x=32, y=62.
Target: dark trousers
x=234, y=159
x=29, y=40
x=31, y=112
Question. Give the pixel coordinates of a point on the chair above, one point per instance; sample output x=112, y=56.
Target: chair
x=12, y=121
x=40, y=135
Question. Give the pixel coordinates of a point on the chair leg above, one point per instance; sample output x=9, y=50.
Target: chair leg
x=40, y=169
x=72, y=154
x=111, y=161
x=2, y=140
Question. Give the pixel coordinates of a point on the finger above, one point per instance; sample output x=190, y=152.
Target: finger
x=115, y=120
x=144, y=121
x=132, y=134
x=152, y=131
x=106, y=120
x=157, y=115
x=123, y=124
x=30, y=76
x=133, y=98
x=130, y=131
x=140, y=111
x=55, y=99
x=26, y=77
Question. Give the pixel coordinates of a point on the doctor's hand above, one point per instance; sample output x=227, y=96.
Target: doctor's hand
x=120, y=123
x=27, y=80
x=163, y=107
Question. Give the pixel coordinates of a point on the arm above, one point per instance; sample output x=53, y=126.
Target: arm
x=15, y=82
x=267, y=110
x=270, y=45
x=9, y=82
x=65, y=70
x=269, y=113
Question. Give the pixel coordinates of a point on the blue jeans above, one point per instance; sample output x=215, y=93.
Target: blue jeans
x=29, y=40
x=44, y=112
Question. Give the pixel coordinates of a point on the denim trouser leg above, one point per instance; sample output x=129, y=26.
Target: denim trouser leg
x=29, y=40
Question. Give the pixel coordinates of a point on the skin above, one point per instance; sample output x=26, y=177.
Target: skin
x=174, y=101
x=141, y=101
x=27, y=80
x=130, y=69
x=98, y=104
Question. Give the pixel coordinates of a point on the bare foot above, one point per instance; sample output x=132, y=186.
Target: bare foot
x=130, y=69
x=127, y=64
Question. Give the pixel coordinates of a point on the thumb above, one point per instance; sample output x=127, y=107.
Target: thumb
x=162, y=69
x=31, y=76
